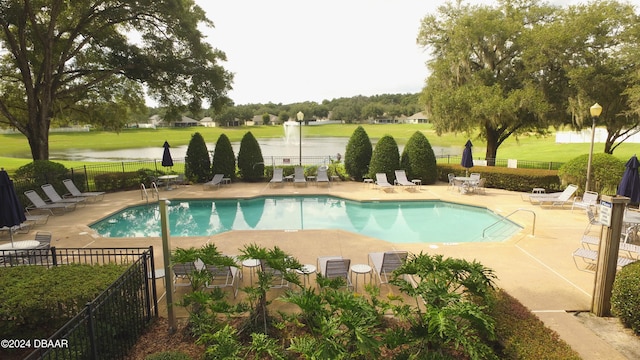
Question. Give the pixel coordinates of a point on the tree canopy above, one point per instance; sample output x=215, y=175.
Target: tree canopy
x=88, y=61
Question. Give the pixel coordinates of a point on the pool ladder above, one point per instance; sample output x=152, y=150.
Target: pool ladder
x=143, y=191
x=533, y=228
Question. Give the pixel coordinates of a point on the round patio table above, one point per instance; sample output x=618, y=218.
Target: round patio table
x=20, y=245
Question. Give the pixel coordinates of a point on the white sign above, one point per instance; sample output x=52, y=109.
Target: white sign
x=605, y=213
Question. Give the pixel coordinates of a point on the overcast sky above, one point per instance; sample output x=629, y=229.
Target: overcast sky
x=287, y=51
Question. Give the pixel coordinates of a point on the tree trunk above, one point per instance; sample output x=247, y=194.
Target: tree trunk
x=38, y=134
x=492, y=146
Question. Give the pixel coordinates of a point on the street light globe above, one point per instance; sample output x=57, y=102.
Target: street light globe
x=300, y=115
x=595, y=110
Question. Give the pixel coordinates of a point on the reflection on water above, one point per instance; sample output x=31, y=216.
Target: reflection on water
x=328, y=146
x=397, y=221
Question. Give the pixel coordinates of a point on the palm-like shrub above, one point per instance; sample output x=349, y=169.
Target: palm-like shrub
x=250, y=161
x=197, y=164
x=419, y=160
x=358, y=154
x=385, y=158
x=224, y=160
x=606, y=172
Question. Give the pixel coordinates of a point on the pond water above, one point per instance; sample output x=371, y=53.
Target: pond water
x=326, y=146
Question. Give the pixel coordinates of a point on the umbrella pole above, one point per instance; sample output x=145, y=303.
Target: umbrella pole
x=11, y=234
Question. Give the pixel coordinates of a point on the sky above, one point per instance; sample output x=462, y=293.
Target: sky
x=288, y=51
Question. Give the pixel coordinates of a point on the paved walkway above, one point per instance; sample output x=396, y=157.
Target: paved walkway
x=536, y=269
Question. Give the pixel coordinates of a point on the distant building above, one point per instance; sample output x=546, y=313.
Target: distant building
x=185, y=121
x=207, y=122
x=257, y=120
x=417, y=118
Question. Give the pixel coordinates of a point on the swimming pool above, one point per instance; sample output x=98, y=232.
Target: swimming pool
x=392, y=221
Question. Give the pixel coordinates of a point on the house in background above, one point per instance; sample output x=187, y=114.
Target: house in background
x=417, y=118
x=185, y=121
x=207, y=122
x=258, y=120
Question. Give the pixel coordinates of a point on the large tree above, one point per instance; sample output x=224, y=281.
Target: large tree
x=64, y=59
x=600, y=48
x=476, y=75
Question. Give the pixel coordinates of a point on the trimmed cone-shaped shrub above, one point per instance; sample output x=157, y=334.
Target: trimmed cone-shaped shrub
x=250, y=161
x=385, y=158
x=418, y=159
x=625, y=296
x=197, y=164
x=224, y=160
x=358, y=154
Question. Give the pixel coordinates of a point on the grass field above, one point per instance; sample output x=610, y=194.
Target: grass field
x=14, y=151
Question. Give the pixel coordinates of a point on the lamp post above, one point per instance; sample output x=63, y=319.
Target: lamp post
x=300, y=117
x=595, y=111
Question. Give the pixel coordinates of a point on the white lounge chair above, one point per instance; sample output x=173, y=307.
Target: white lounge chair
x=298, y=176
x=384, y=263
x=55, y=198
x=401, y=179
x=322, y=177
x=555, y=199
x=215, y=181
x=382, y=182
x=588, y=200
x=277, y=177
x=332, y=267
x=223, y=276
x=590, y=257
x=39, y=204
x=73, y=191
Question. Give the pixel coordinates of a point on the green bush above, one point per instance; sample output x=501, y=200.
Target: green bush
x=606, y=171
x=122, y=181
x=521, y=335
x=169, y=355
x=418, y=159
x=385, y=158
x=197, y=164
x=507, y=178
x=41, y=172
x=33, y=296
x=358, y=154
x=224, y=160
x=625, y=296
x=250, y=160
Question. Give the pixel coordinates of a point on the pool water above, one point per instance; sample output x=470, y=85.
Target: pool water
x=392, y=221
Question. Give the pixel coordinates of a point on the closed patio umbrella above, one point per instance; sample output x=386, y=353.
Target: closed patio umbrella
x=630, y=183
x=167, y=161
x=467, y=156
x=11, y=210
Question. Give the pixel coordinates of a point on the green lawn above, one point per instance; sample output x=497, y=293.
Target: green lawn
x=15, y=152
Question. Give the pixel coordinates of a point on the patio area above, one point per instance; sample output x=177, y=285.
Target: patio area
x=536, y=269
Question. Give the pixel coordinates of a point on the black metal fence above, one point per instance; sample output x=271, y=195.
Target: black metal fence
x=111, y=324
x=521, y=164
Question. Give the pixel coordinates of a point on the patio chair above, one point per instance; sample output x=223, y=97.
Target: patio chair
x=452, y=181
x=332, y=267
x=401, y=178
x=55, y=198
x=590, y=257
x=41, y=253
x=298, y=176
x=39, y=204
x=382, y=183
x=554, y=199
x=323, y=177
x=592, y=220
x=588, y=200
x=480, y=186
x=223, y=276
x=74, y=192
x=277, y=277
x=182, y=273
x=384, y=263
x=215, y=181
x=277, y=177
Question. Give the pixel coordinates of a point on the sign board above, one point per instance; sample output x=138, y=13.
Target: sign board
x=605, y=213
x=286, y=161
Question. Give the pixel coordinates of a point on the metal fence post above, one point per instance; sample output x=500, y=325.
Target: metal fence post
x=91, y=332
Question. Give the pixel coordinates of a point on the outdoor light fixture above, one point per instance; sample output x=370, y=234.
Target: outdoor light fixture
x=595, y=112
x=300, y=116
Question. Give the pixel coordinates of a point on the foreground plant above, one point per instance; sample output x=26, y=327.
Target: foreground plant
x=449, y=317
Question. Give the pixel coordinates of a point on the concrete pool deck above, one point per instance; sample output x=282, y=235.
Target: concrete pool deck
x=536, y=269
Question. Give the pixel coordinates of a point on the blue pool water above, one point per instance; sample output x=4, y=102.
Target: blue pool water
x=393, y=221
